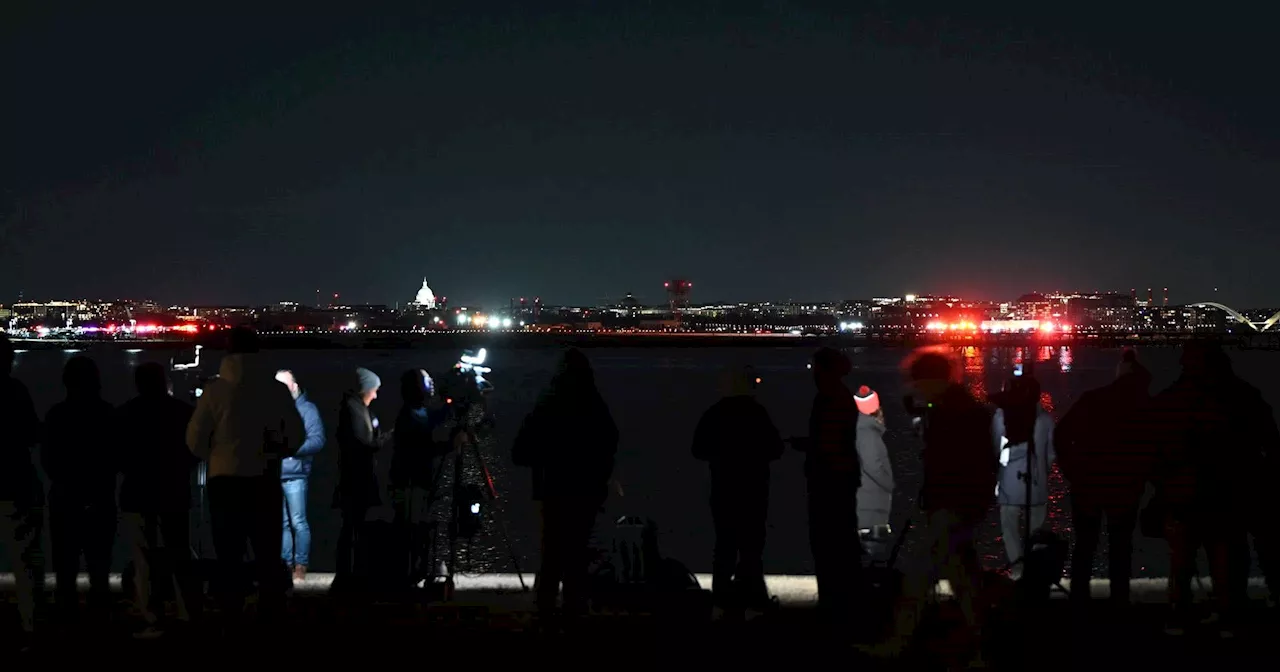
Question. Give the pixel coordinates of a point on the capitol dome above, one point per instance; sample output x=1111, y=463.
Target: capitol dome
x=425, y=298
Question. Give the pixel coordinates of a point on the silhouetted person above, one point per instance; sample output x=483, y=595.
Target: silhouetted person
x=833, y=476
x=959, y=482
x=569, y=441
x=295, y=472
x=1021, y=429
x=1106, y=449
x=78, y=457
x=155, y=496
x=421, y=436
x=1255, y=440
x=875, y=494
x=1197, y=475
x=360, y=438
x=738, y=439
x=244, y=424
x=21, y=494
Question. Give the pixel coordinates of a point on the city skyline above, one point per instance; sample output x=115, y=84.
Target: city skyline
x=425, y=298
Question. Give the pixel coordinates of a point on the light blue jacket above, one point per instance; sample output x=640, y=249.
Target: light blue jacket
x=1012, y=491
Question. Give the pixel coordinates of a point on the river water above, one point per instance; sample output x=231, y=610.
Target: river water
x=656, y=396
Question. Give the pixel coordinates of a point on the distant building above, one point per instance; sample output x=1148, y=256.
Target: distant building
x=425, y=298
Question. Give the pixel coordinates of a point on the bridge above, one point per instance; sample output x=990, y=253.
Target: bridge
x=1237, y=316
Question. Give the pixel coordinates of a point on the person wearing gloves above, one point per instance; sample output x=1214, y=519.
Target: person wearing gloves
x=1021, y=417
x=875, y=494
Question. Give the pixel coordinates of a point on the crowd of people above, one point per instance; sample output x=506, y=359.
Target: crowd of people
x=1206, y=445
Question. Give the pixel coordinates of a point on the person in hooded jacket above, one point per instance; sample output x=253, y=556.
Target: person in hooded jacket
x=738, y=439
x=155, y=495
x=295, y=473
x=1020, y=417
x=875, y=493
x=1106, y=453
x=420, y=437
x=360, y=440
x=82, y=494
x=21, y=493
x=244, y=425
x=568, y=441
x=833, y=475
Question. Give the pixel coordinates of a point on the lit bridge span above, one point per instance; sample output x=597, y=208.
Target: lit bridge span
x=1238, y=317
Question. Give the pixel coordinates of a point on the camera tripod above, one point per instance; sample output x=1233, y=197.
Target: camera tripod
x=465, y=518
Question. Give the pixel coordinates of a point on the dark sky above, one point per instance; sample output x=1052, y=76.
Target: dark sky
x=576, y=151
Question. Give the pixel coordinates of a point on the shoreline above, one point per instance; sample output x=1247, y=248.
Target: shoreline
x=452, y=340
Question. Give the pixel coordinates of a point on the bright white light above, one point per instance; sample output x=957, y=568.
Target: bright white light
x=475, y=508
x=795, y=332
x=910, y=298
x=463, y=320
x=506, y=322
x=133, y=351
x=351, y=325
x=522, y=323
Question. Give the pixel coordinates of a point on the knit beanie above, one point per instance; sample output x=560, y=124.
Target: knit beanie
x=368, y=380
x=867, y=400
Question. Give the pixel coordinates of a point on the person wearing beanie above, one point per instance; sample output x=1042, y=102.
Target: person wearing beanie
x=243, y=426
x=875, y=493
x=738, y=440
x=360, y=439
x=1106, y=452
x=833, y=477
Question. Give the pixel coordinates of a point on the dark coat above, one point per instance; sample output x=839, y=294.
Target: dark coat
x=569, y=440
x=1107, y=443
x=19, y=433
x=359, y=443
x=154, y=458
x=738, y=439
x=77, y=451
x=418, y=444
x=960, y=470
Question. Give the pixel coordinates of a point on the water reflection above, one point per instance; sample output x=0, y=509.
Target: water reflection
x=1065, y=360
x=975, y=371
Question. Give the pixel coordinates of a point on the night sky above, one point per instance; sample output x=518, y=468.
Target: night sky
x=578, y=151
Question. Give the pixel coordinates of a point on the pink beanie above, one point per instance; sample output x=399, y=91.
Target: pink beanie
x=867, y=400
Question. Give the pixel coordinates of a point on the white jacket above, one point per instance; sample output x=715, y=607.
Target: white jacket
x=245, y=422
x=1012, y=490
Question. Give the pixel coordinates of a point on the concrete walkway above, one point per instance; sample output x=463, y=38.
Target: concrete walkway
x=792, y=590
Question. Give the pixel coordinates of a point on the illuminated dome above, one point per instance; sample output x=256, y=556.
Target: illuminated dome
x=425, y=297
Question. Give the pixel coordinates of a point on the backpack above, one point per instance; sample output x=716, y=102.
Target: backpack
x=633, y=575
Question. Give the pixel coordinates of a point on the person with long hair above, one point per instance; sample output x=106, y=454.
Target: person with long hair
x=568, y=441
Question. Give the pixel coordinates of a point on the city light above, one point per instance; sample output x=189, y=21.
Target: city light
x=463, y=320
x=506, y=322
